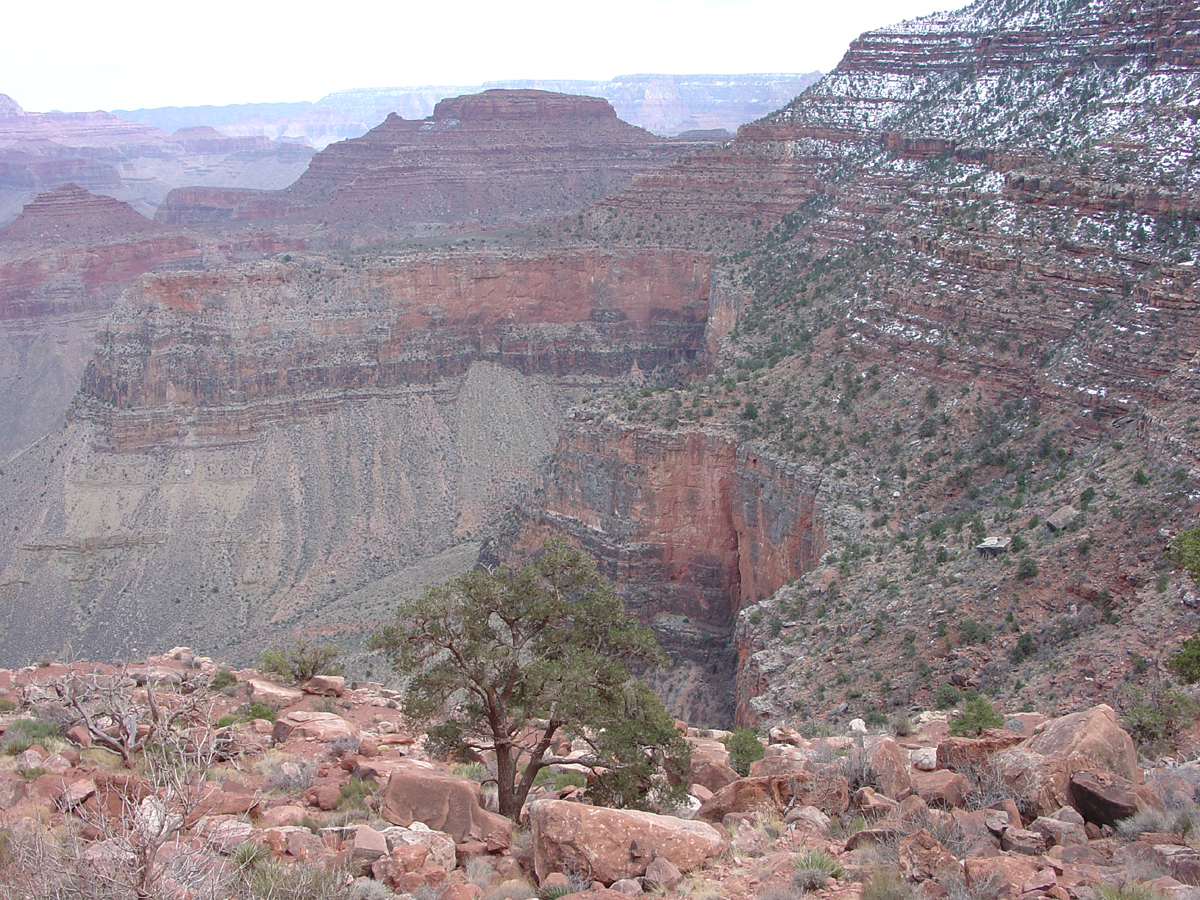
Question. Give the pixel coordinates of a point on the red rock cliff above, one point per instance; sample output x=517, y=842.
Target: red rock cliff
x=223, y=353
x=690, y=524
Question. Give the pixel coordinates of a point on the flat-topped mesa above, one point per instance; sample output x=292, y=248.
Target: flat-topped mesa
x=227, y=353
x=481, y=160
x=72, y=214
x=522, y=105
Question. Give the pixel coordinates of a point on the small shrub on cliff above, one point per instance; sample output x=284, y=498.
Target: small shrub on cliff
x=972, y=631
x=1025, y=647
x=744, y=748
x=946, y=696
x=978, y=714
x=223, y=679
x=1027, y=568
x=301, y=660
x=1185, y=552
x=1155, y=718
x=1185, y=664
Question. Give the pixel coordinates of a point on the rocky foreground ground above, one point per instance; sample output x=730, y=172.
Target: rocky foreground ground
x=179, y=779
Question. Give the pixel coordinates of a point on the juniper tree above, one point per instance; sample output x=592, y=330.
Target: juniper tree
x=511, y=661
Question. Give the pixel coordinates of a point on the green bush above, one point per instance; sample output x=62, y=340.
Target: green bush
x=819, y=861
x=301, y=660
x=1027, y=567
x=946, y=696
x=744, y=748
x=1156, y=719
x=223, y=679
x=886, y=884
x=24, y=733
x=1185, y=552
x=1129, y=890
x=1025, y=647
x=977, y=715
x=262, y=711
x=971, y=631
x=1185, y=663
x=353, y=794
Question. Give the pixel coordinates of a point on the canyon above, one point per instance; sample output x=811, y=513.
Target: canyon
x=131, y=162
x=490, y=160
x=666, y=105
x=780, y=386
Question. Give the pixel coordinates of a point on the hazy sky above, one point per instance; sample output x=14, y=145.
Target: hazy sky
x=73, y=55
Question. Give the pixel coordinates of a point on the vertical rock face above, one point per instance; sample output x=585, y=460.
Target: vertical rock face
x=227, y=353
x=63, y=264
x=691, y=525
x=252, y=443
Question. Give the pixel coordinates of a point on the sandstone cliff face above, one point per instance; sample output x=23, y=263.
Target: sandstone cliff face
x=224, y=354
x=63, y=263
x=995, y=205
x=986, y=172
x=254, y=442
x=691, y=525
x=499, y=157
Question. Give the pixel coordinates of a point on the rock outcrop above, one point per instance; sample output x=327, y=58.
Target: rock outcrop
x=132, y=162
x=319, y=428
x=609, y=844
x=691, y=525
x=442, y=802
x=71, y=214
x=482, y=160
x=663, y=104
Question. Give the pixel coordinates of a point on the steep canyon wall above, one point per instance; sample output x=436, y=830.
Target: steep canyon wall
x=254, y=442
x=692, y=525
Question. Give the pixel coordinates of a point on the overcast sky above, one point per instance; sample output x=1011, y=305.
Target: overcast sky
x=73, y=55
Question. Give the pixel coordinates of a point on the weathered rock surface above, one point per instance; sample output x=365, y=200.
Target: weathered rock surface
x=443, y=803
x=612, y=844
x=1104, y=799
x=825, y=790
x=498, y=157
x=1093, y=736
x=316, y=726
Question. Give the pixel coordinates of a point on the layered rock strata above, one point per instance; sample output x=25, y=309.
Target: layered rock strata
x=482, y=160
x=692, y=525
x=253, y=443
